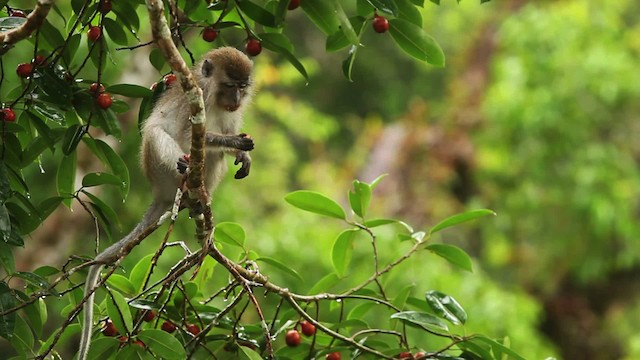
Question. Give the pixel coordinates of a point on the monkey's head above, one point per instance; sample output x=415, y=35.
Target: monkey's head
x=227, y=72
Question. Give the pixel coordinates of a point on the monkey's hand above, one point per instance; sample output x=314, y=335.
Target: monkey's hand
x=244, y=158
x=242, y=141
x=183, y=164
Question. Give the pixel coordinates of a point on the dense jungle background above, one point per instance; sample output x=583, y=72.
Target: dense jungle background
x=535, y=116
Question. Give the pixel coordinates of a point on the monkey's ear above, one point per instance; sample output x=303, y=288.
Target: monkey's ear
x=207, y=68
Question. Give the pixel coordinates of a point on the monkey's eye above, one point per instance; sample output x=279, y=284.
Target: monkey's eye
x=229, y=85
x=242, y=85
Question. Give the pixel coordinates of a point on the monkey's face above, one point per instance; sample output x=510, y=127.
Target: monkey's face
x=231, y=94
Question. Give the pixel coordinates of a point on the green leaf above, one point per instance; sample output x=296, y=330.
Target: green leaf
x=117, y=166
x=22, y=339
x=345, y=24
x=140, y=272
x=421, y=319
x=460, y=218
x=380, y=222
x=51, y=34
x=249, y=354
x=408, y=11
x=325, y=284
x=47, y=206
x=103, y=347
x=11, y=22
x=342, y=250
x=401, y=297
x=66, y=177
x=229, y=233
x=48, y=112
x=359, y=311
x=338, y=40
x=8, y=321
x=72, y=137
x=316, y=203
x=9, y=265
x=452, y=254
x=157, y=59
x=163, y=344
x=143, y=304
x=33, y=279
x=5, y=222
x=257, y=13
x=134, y=91
x=347, y=64
x=360, y=197
x=43, y=129
x=105, y=214
x=69, y=51
x=416, y=42
x=35, y=317
x=205, y=274
x=107, y=121
x=121, y=284
x=446, y=307
x=388, y=6
x=279, y=43
x=119, y=312
x=280, y=266
x=70, y=332
x=115, y=32
x=100, y=178
x=321, y=13
x=50, y=79
x=497, y=347
x=126, y=13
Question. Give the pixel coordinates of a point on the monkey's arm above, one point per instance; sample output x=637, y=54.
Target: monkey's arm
x=236, y=144
x=226, y=142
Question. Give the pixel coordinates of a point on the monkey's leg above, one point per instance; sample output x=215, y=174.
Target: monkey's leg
x=244, y=158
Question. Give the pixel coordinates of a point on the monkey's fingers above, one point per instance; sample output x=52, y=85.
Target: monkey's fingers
x=183, y=164
x=245, y=144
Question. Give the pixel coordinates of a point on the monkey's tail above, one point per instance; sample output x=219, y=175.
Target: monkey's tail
x=108, y=256
x=87, y=324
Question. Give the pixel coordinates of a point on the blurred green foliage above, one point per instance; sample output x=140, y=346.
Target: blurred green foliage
x=556, y=157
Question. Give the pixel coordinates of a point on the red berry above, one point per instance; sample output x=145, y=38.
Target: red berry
x=94, y=33
x=149, y=316
x=209, y=34
x=333, y=356
x=307, y=328
x=380, y=24
x=419, y=355
x=96, y=88
x=139, y=343
x=405, y=355
x=293, y=4
x=168, y=327
x=109, y=329
x=105, y=7
x=253, y=47
x=170, y=79
x=40, y=60
x=292, y=338
x=18, y=13
x=24, y=70
x=104, y=101
x=9, y=115
x=193, y=329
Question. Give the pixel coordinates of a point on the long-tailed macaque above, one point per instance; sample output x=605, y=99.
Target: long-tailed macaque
x=224, y=75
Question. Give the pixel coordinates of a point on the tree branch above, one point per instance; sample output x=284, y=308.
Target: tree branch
x=34, y=21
